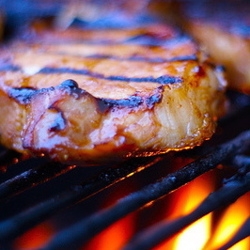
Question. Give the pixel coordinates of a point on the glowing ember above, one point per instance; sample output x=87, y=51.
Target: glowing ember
x=35, y=238
x=114, y=237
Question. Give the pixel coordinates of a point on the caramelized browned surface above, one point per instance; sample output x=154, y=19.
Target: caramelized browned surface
x=92, y=96
x=224, y=29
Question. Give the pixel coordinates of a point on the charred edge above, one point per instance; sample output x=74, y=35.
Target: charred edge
x=69, y=83
x=217, y=67
x=133, y=101
x=155, y=98
x=22, y=95
x=145, y=59
x=71, y=87
x=160, y=80
x=60, y=121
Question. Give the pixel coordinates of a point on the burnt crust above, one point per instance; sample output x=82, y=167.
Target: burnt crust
x=134, y=101
x=59, y=123
x=22, y=95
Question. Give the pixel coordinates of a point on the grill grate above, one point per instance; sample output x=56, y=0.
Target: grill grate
x=23, y=176
x=84, y=230
x=233, y=189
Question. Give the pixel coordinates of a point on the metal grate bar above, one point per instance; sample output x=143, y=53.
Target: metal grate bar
x=18, y=224
x=241, y=234
x=81, y=232
x=31, y=178
x=232, y=190
x=242, y=162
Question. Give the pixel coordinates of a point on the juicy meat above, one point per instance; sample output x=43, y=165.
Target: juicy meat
x=224, y=29
x=95, y=96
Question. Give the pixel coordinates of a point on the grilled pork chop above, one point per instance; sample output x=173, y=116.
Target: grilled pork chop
x=95, y=96
x=224, y=29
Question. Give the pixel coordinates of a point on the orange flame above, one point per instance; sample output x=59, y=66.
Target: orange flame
x=203, y=234
x=200, y=235
x=186, y=199
x=232, y=219
x=196, y=235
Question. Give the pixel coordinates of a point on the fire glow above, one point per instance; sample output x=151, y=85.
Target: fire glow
x=35, y=238
x=205, y=233
x=186, y=199
x=197, y=233
x=114, y=237
x=234, y=216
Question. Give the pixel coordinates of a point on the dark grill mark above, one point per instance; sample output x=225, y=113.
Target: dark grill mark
x=22, y=95
x=145, y=59
x=9, y=67
x=59, y=122
x=165, y=79
x=133, y=101
x=161, y=80
x=157, y=39
x=153, y=99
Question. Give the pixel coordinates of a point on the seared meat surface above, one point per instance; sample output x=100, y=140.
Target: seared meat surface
x=224, y=29
x=95, y=96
